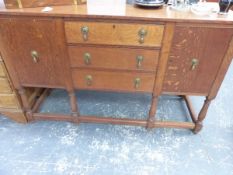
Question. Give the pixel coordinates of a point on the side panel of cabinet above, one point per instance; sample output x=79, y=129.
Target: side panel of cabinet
x=195, y=57
x=21, y=37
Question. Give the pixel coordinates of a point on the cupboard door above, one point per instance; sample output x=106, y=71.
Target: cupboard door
x=36, y=50
x=195, y=57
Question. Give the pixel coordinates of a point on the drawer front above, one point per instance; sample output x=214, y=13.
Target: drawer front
x=8, y=101
x=117, y=81
x=113, y=58
x=5, y=86
x=2, y=72
x=114, y=33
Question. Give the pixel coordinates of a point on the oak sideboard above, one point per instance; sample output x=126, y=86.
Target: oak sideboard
x=156, y=51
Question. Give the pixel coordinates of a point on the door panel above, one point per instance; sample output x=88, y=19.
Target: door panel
x=204, y=45
x=23, y=36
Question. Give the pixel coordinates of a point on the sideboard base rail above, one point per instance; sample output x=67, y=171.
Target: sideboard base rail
x=195, y=123
x=114, y=121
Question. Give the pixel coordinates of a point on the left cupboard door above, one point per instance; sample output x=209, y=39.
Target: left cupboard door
x=36, y=50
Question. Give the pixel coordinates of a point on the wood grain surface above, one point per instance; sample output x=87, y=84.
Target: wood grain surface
x=15, y=115
x=113, y=81
x=132, y=14
x=113, y=58
x=207, y=45
x=36, y=3
x=34, y=35
x=5, y=86
x=9, y=101
x=2, y=70
x=114, y=33
x=172, y=41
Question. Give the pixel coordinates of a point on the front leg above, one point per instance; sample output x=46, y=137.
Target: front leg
x=202, y=115
x=152, y=112
x=73, y=103
x=26, y=105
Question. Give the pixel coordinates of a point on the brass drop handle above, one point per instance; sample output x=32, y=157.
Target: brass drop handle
x=35, y=56
x=87, y=58
x=137, y=83
x=85, y=31
x=195, y=62
x=89, y=80
x=142, y=34
x=139, y=61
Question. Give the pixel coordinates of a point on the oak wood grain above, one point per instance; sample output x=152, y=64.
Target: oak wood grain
x=5, y=86
x=15, y=115
x=9, y=101
x=122, y=81
x=34, y=35
x=222, y=70
x=132, y=14
x=2, y=70
x=207, y=45
x=157, y=89
x=113, y=33
x=36, y=3
x=173, y=39
x=113, y=58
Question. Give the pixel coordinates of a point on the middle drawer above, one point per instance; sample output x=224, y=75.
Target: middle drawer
x=113, y=58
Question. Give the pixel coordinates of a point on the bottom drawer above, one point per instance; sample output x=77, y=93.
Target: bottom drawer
x=116, y=81
x=8, y=101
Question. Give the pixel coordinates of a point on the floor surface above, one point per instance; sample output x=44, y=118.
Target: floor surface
x=50, y=147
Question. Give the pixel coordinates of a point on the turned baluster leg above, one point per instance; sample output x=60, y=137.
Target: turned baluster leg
x=202, y=115
x=73, y=103
x=152, y=112
x=25, y=103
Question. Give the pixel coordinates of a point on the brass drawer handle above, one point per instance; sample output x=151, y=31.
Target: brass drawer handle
x=87, y=58
x=195, y=63
x=137, y=83
x=35, y=56
x=142, y=34
x=89, y=80
x=85, y=31
x=139, y=60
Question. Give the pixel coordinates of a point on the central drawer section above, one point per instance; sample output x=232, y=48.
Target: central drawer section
x=113, y=56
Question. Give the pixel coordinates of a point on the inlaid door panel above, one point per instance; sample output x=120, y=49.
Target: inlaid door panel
x=195, y=57
x=35, y=49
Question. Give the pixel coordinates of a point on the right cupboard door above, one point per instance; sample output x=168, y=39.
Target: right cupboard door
x=195, y=57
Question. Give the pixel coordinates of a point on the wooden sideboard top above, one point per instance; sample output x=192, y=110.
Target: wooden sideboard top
x=129, y=12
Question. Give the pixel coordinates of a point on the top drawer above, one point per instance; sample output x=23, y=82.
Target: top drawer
x=114, y=33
